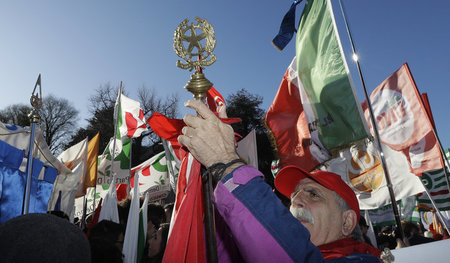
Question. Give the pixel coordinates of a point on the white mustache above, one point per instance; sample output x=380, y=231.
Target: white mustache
x=302, y=214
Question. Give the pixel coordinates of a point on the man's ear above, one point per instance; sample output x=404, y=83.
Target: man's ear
x=349, y=218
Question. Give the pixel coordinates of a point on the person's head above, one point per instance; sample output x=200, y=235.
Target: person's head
x=157, y=241
x=106, y=241
x=322, y=202
x=42, y=238
x=155, y=216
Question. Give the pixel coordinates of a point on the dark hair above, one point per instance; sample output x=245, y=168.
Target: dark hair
x=42, y=238
x=103, y=239
x=60, y=214
x=123, y=208
x=156, y=214
x=164, y=228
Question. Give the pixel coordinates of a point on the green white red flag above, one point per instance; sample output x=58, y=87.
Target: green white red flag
x=131, y=121
x=330, y=103
x=286, y=118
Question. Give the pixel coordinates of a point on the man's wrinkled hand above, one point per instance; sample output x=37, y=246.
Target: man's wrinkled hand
x=207, y=138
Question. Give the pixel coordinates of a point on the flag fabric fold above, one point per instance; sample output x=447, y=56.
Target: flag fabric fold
x=13, y=182
x=90, y=177
x=360, y=167
x=287, y=121
x=130, y=245
x=402, y=121
x=153, y=177
x=131, y=118
x=332, y=109
x=71, y=184
x=142, y=237
x=247, y=149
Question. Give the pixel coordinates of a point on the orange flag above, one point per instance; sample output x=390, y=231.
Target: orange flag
x=90, y=177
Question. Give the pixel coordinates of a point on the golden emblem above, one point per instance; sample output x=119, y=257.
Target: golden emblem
x=195, y=43
x=197, y=33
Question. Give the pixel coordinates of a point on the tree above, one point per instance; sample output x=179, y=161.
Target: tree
x=102, y=110
x=246, y=106
x=16, y=114
x=58, y=119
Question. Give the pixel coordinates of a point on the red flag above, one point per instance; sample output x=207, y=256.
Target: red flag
x=186, y=240
x=402, y=121
x=426, y=103
x=214, y=99
x=287, y=121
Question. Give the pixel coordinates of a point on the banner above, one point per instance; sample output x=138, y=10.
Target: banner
x=153, y=177
x=332, y=109
x=121, y=163
x=402, y=121
x=360, y=166
x=384, y=216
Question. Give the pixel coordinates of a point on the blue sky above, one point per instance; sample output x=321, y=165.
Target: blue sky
x=79, y=45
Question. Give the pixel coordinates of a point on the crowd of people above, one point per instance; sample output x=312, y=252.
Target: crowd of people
x=321, y=223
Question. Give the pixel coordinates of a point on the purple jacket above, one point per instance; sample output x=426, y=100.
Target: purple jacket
x=254, y=226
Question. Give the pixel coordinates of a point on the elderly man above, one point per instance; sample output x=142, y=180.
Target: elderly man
x=258, y=227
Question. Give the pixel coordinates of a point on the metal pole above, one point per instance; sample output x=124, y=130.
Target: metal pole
x=26, y=198
x=377, y=136
x=210, y=225
x=36, y=103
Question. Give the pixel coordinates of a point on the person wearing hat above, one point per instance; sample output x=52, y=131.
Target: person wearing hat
x=258, y=228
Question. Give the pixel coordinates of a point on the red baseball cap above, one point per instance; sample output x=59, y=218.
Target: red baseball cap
x=288, y=177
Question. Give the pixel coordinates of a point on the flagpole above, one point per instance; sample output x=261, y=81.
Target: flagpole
x=116, y=120
x=377, y=135
x=83, y=217
x=36, y=103
x=129, y=172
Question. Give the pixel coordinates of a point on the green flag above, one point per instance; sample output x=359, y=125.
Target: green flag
x=333, y=112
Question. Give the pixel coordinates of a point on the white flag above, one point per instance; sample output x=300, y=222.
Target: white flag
x=247, y=149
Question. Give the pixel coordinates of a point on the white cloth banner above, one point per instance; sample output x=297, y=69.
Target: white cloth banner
x=360, y=167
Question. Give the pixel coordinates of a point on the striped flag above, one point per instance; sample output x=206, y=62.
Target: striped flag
x=383, y=216
x=437, y=186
